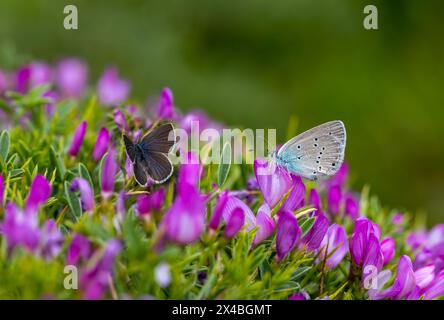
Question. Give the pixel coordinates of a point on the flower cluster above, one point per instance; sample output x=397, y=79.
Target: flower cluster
x=252, y=235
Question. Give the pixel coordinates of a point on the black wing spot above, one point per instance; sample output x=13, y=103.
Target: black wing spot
x=315, y=144
x=333, y=164
x=299, y=147
x=316, y=139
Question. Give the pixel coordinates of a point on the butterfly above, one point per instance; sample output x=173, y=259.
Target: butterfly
x=315, y=154
x=150, y=155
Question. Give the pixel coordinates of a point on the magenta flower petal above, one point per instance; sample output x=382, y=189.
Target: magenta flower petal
x=351, y=206
x=112, y=90
x=273, y=185
x=72, y=77
x=388, y=249
x=295, y=199
x=340, y=177
x=39, y=192
x=51, y=240
x=265, y=223
x=218, y=211
x=336, y=240
x=316, y=234
x=120, y=120
x=435, y=288
x=190, y=170
x=235, y=223
x=373, y=254
x=404, y=284
x=299, y=296
x=287, y=234
x=95, y=279
x=77, y=139
x=22, y=79
x=315, y=199
x=109, y=171
x=150, y=202
x=80, y=248
x=184, y=221
x=20, y=229
x=195, y=118
x=101, y=145
x=334, y=198
x=231, y=204
x=86, y=193
x=32, y=75
x=424, y=276
x=359, y=241
x=166, y=107
x=129, y=167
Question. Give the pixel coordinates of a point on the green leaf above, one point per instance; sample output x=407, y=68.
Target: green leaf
x=300, y=272
x=4, y=145
x=102, y=161
x=225, y=164
x=84, y=173
x=307, y=225
x=133, y=236
x=206, y=289
x=57, y=162
x=73, y=202
x=16, y=172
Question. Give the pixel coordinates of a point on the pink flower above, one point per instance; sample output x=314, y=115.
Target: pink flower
x=336, y=244
x=317, y=232
x=112, y=90
x=151, y=202
x=265, y=223
x=287, y=234
x=39, y=192
x=166, y=107
x=101, y=145
x=77, y=140
x=71, y=77
x=388, y=249
x=109, y=172
x=86, y=193
x=274, y=184
x=235, y=223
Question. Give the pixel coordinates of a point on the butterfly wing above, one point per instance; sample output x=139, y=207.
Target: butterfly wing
x=140, y=173
x=159, y=166
x=161, y=139
x=130, y=148
x=316, y=153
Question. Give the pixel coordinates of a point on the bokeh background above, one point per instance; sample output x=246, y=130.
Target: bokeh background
x=254, y=63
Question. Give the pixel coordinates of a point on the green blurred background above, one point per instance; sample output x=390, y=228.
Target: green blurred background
x=253, y=63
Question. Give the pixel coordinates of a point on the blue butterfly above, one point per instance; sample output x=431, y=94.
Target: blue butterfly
x=149, y=156
x=315, y=154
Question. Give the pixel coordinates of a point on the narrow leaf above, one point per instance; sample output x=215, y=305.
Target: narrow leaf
x=225, y=164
